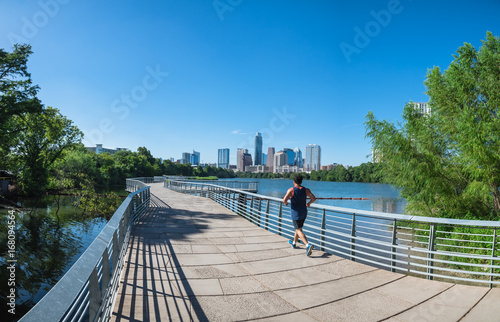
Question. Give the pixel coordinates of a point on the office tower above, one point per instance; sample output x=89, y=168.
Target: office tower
x=313, y=157
x=298, y=157
x=258, y=149
x=186, y=157
x=423, y=108
x=223, y=160
x=291, y=155
x=264, y=159
x=195, y=158
x=270, y=159
x=280, y=159
x=243, y=159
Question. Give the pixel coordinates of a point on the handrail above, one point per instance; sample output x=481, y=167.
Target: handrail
x=89, y=288
x=441, y=248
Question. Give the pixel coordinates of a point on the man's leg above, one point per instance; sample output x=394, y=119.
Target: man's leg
x=299, y=233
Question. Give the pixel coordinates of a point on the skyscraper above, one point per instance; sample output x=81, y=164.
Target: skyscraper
x=186, y=157
x=258, y=149
x=270, y=159
x=280, y=159
x=313, y=157
x=243, y=158
x=195, y=158
x=223, y=160
x=291, y=156
x=298, y=158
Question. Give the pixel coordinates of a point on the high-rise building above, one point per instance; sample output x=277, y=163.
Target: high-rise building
x=258, y=149
x=280, y=159
x=186, y=157
x=422, y=107
x=223, y=160
x=313, y=157
x=243, y=159
x=270, y=159
x=298, y=157
x=264, y=159
x=291, y=156
x=194, y=159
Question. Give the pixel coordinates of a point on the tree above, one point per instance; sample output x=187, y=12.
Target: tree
x=17, y=97
x=46, y=136
x=448, y=163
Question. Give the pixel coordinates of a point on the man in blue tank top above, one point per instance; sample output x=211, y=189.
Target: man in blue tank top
x=298, y=199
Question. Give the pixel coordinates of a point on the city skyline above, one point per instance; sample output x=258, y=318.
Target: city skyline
x=132, y=74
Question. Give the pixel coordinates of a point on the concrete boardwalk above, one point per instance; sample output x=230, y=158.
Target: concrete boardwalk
x=192, y=259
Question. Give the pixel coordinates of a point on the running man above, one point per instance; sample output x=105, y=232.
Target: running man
x=298, y=195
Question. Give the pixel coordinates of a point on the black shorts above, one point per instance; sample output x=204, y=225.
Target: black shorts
x=298, y=223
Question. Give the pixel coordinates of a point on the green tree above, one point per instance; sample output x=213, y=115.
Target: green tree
x=17, y=97
x=46, y=136
x=448, y=163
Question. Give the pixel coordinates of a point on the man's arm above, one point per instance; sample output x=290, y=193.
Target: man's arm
x=310, y=195
x=287, y=196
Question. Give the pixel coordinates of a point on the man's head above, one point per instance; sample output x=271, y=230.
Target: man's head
x=298, y=179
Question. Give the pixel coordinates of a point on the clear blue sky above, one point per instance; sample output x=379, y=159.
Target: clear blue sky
x=181, y=75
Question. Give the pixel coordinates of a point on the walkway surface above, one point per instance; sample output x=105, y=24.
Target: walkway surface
x=192, y=259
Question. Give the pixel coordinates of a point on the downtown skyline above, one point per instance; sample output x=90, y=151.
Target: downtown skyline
x=176, y=77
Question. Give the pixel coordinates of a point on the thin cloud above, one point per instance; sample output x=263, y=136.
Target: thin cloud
x=238, y=132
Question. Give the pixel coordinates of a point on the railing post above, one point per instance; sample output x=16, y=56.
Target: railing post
x=260, y=208
x=267, y=214
x=493, y=255
x=393, y=249
x=430, y=256
x=323, y=227
x=279, y=218
x=353, y=235
x=94, y=295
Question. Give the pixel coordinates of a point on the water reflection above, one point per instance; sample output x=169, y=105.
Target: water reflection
x=49, y=239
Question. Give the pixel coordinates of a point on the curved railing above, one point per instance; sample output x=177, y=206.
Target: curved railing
x=437, y=248
x=88, y=289
x=249, y=186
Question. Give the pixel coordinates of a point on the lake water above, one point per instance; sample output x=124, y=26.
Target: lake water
x=46, y=245
x=383, y=197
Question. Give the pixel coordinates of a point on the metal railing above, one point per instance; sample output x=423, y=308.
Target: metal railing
x=88, y=289
x=462, y=251
x=250, y=186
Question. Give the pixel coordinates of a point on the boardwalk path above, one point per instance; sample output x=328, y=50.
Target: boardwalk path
x=192, y=259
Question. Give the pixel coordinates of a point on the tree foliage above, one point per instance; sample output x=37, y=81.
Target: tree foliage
x=46, y=136
x=17, y=97
x=448, y=163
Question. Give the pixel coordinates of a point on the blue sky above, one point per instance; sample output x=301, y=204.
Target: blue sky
x=176, y=75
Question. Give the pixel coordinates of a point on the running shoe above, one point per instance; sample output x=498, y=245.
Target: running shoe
x=291, y=243
x=309, y=249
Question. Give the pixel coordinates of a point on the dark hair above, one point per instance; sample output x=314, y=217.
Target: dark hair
x=298, y=178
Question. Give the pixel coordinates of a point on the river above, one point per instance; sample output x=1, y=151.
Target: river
x=383, y=197
x=45, y=246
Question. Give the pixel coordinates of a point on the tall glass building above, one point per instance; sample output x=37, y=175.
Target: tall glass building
x=223, y=160
x=298, y=158
x=195, y=158
x=258, y=149
x=291, y=156
x=313, y=157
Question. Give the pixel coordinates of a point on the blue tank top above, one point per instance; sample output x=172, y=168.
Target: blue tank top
x=298, y=204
